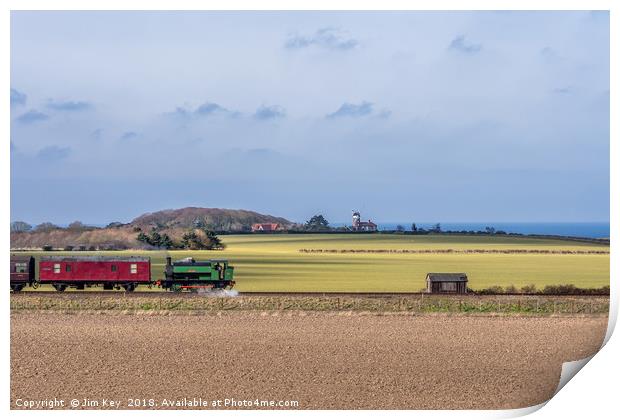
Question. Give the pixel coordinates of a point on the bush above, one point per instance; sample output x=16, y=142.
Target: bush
x=492, y=290
x=562, y=289
x=47, y=248
x=511, y=289
x=530, y=289
x=559, y=289
x=602, y=290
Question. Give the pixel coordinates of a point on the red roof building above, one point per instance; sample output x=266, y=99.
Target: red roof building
x=358, y=225
x=265, y=227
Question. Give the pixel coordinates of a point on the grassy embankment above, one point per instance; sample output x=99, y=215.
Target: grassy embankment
x=414, y=304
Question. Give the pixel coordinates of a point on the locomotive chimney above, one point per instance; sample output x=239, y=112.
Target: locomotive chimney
x=168, y=260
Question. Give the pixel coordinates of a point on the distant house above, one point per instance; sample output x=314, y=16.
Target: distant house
x=358, y=225
x=446, y=283
x=265, y=227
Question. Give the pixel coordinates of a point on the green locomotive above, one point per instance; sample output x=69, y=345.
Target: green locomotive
x=189, y=274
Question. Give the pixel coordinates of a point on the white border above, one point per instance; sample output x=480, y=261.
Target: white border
x=591, y=394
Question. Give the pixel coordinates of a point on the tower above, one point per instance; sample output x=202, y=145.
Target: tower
x=356, y=220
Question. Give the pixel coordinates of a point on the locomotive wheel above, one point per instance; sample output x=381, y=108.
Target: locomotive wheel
x=60, y=287
x=176, y=288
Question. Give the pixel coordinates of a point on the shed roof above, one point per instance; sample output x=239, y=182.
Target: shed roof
x=437, y=277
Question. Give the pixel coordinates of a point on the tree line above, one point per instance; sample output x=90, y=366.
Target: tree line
x=198, y=237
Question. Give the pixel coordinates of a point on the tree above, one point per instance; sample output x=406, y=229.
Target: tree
x=317, y=222
x=114, y=225
x=45, y=227
x=490, y=230
x=143, y=237
x=199, y=223
x=191, y=240
x=166, y=242
x=77, y=226
x=155, y=238
x=436, y=228
x=414, y=228
x=400, y=228
x=20, y=226
x=214, y=241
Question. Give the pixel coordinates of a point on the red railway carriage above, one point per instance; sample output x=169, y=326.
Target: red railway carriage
x=22, y=272
x=81, y=272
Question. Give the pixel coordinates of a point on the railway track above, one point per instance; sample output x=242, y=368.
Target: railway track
x=95, y=294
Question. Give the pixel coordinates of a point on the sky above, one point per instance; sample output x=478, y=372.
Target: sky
x=403, y=116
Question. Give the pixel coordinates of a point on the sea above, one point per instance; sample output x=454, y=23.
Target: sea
x=580, y=229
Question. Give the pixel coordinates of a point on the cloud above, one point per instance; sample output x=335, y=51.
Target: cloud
x=53, y=153
x=385, y=113
x=548, y=52
x=96, y=134
x=352, y=110
x=181, y=112
x=17, y=98
x=211, y=108
x=207, y=109
x=463, y=45
x=128, y=135
x=264, y=113
x=562, y=90
x=69, y=105
x=328, y=38
x=32, y=116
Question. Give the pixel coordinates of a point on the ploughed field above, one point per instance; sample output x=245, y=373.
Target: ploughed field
x=396, y=263
x=322, y=359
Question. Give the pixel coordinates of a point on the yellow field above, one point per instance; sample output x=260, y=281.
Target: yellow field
x=274, y=263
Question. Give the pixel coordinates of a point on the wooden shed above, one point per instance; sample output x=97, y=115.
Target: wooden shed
x=455, y=283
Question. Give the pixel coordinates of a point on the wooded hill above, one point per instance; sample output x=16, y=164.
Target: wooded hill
x=176, y=224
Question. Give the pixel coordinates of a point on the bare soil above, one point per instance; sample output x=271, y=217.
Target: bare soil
x=323, y=360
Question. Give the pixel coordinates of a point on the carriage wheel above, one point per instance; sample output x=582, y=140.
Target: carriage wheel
x=129, y=287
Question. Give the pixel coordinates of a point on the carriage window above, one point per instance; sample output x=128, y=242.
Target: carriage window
x=133, y=268
x=114, y=268
x=21, y=268
x=68, y=268
x=57, y=268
